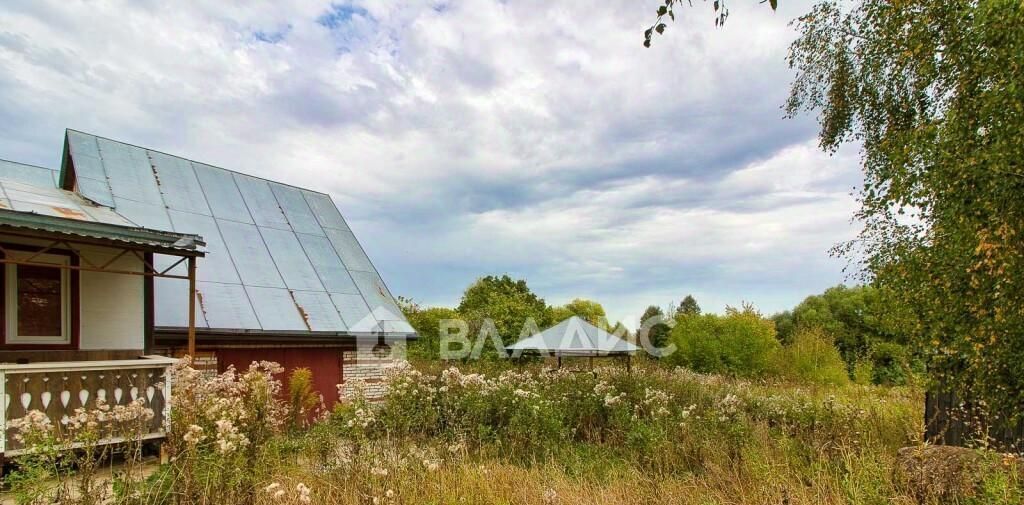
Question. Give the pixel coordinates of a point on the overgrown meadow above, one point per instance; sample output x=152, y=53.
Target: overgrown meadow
x=655, y=435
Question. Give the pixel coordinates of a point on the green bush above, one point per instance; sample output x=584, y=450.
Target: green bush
x=853, y=316
x=740, y=343
x=890, y=364
x=303, y=400
x=811, y=356
x=427, y=323
x=863, y=372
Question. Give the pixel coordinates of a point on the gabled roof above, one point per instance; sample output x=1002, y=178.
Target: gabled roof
x=574, y=337
x=45, y=208
x=279, y=259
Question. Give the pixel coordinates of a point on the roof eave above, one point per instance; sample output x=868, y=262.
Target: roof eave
x=40, y=226
x=171, y=333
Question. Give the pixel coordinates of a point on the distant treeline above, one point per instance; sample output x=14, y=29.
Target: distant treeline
x=843, y=334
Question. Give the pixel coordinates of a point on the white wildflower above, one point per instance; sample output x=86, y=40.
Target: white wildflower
x=550, y=496
x=304, y=492
x=194, y=435
x=611, y=400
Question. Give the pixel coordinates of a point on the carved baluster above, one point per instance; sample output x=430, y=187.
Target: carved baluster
x=75, y=385
x=106, y=385
x=121, y=387
x=159, y=402
x=16, y=386
x=53, y=384
x=90, y=385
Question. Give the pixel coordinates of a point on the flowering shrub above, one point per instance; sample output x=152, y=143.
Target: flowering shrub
x=218, y=426
x=305, y=405
x=642, y=415
x=655, y=435
x=277, y=493
x=62, y=459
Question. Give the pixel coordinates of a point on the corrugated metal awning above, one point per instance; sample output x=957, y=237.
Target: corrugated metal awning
x=58, y=212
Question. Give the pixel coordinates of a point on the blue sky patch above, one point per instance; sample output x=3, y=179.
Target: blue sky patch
x=339, y=15
x=272, y=37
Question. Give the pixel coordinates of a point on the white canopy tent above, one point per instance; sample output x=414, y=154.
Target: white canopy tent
x=574, y=337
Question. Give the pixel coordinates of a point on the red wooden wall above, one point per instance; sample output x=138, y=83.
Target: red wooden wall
x=325, y=363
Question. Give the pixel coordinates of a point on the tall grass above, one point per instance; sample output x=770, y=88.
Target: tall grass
x=538, y=437
x=811, y=356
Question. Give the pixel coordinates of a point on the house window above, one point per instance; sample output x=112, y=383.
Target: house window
x=37, y=301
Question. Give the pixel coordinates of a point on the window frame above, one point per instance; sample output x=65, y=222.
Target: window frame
x=70, y=301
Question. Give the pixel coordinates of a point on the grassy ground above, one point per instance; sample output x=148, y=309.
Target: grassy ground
x=586, y=477
x=523, y=437
x=753, y=456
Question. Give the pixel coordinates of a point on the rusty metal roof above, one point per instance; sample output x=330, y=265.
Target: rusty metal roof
x=278, y=258
x=48, y=209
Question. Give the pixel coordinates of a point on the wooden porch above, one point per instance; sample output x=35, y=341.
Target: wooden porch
x=58, y=388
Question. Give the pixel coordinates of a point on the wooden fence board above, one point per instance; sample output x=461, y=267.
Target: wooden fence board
x=950, y=421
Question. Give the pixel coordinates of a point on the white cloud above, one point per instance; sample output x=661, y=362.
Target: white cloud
x=469, y=137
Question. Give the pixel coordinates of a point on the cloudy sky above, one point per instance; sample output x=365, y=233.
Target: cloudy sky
x=465, y=138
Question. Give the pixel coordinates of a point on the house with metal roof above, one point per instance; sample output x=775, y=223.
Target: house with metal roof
x=73, y=303
x=126, y=252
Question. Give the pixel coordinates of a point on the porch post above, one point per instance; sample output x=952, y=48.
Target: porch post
x=3, y=412
x=192, y=306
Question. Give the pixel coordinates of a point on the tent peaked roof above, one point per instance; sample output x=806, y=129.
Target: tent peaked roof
x=574, y=336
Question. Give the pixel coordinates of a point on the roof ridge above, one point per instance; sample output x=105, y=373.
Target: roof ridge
x=190, y=160
x=28, y=164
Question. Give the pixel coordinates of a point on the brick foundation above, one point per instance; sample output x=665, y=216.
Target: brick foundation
x=205, y=362
x=364, y=368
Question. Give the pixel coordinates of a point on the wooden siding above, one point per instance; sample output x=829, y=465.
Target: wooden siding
x=41, y=356
x=325, y=363
x=108, y=309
